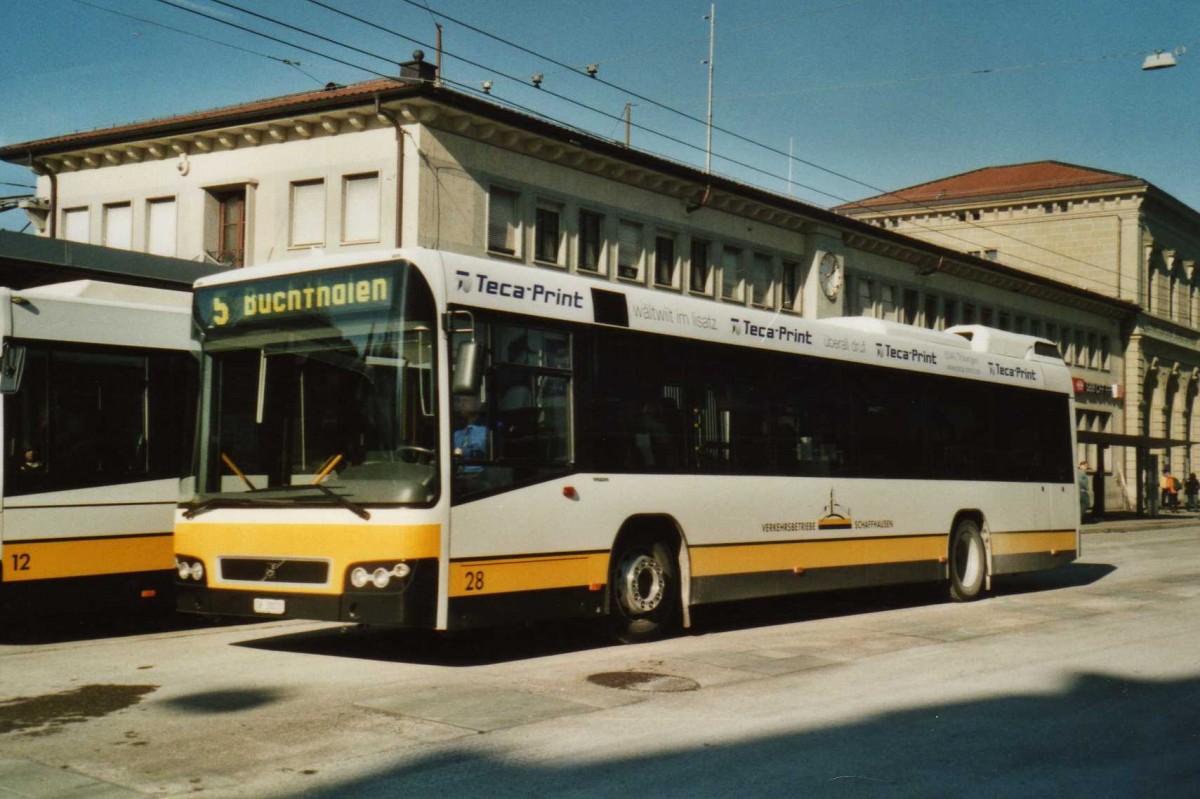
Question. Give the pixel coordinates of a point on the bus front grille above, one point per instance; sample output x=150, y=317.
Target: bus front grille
x=275, y=571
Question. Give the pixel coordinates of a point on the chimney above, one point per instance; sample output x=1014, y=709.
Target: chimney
x=417, y=70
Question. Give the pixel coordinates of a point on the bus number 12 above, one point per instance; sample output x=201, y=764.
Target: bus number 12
x=20, y=562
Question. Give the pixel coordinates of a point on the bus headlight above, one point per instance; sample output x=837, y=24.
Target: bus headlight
x=189, y=569
x=378, y=575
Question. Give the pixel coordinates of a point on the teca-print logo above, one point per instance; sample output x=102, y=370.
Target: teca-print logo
x=464, y=281
x=736, y=326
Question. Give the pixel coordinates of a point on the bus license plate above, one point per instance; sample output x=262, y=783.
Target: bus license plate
x=272, y=606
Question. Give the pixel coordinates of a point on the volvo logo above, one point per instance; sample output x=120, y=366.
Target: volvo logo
x=272, y=570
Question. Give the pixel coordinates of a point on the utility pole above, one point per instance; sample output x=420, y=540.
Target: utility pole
x=712, y=27
x=628, y=121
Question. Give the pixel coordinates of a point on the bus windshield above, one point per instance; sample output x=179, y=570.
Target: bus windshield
x=316, y=401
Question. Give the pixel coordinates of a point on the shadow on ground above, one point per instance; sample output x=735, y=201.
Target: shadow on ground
x=1099, y=736
x=31, y=627
x=545, y=639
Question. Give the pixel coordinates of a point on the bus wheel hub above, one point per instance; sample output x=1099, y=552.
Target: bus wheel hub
x=642, y=583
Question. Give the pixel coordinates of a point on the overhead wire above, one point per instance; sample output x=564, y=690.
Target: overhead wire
x=592, y=109
x=285, y=61
x=277, y=40
x=425, y=6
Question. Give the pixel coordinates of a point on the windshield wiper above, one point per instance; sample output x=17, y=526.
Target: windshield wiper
x=255, y=497
x=354, y=508
x=213, y=502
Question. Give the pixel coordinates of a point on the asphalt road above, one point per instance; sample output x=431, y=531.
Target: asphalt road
x=1082, y=682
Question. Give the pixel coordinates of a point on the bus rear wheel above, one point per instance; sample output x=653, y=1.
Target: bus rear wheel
x=968, y=562
x=644, y=591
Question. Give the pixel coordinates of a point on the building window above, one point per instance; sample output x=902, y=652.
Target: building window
x=629, y=250
x=792, y=277
x=733, y=282
x=912, y=306
x=985, y=317
x=161, y=227
x=547, y=234
x=968, y=314
x=866, y=297
x=1104, y=353
x=308, y=214
x=227, y=244
x=665, y=268
x=502, y=221
x=950, y=312
x=762, y=280
x=590, y=244
x=700, y=268
x=1004, y=321
x=76, y=225
x=360, y=208
x=887, y=302
x=931, y=312
x=118, y=226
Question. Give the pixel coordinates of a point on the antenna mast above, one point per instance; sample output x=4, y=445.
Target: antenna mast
x=712, y=26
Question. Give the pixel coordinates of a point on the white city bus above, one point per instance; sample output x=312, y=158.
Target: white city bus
x=435, y=440
x=98, y=383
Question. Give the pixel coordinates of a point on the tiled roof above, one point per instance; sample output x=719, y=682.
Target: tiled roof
x=1038, y=177
x=333, y=95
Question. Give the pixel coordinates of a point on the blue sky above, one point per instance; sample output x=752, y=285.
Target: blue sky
x=887, y=92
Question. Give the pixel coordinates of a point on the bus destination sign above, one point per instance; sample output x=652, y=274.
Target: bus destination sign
x=327, y=293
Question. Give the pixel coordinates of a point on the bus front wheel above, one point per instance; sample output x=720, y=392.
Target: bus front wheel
x=968, y=561
x=644, y=591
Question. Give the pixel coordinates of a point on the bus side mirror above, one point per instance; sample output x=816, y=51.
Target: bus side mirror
x=12, y=366
x=468, y=369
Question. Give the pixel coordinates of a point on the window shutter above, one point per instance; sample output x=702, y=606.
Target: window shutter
x=502, y=221
x=76, y=224
x=629, y=249
x=160, y=239
x=360, y=212
x=118, y=226
x=308, y=213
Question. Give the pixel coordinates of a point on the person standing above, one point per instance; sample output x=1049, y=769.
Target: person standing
x=1191, y=487
x=1170, y=490
x=1085, y=497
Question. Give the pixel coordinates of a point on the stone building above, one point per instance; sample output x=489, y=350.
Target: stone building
x=410, y=162
x=1111, y=234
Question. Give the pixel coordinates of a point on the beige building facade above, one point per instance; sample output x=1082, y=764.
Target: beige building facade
x=1109, y=233
x=409, y=162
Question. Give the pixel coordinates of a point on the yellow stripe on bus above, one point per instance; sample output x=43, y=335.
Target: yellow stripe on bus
x=713, y=561
x=1024, y=543
x=47, y=560
x=479, y=577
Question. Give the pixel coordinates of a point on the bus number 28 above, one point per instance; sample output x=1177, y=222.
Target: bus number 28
x=475, y=581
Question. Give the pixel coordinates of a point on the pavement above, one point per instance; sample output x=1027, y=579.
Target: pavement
x=1129, y=522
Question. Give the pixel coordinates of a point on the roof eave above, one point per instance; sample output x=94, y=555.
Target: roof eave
x=197, y=123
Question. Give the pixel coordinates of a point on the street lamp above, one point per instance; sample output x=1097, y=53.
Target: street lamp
x=1162, y=60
